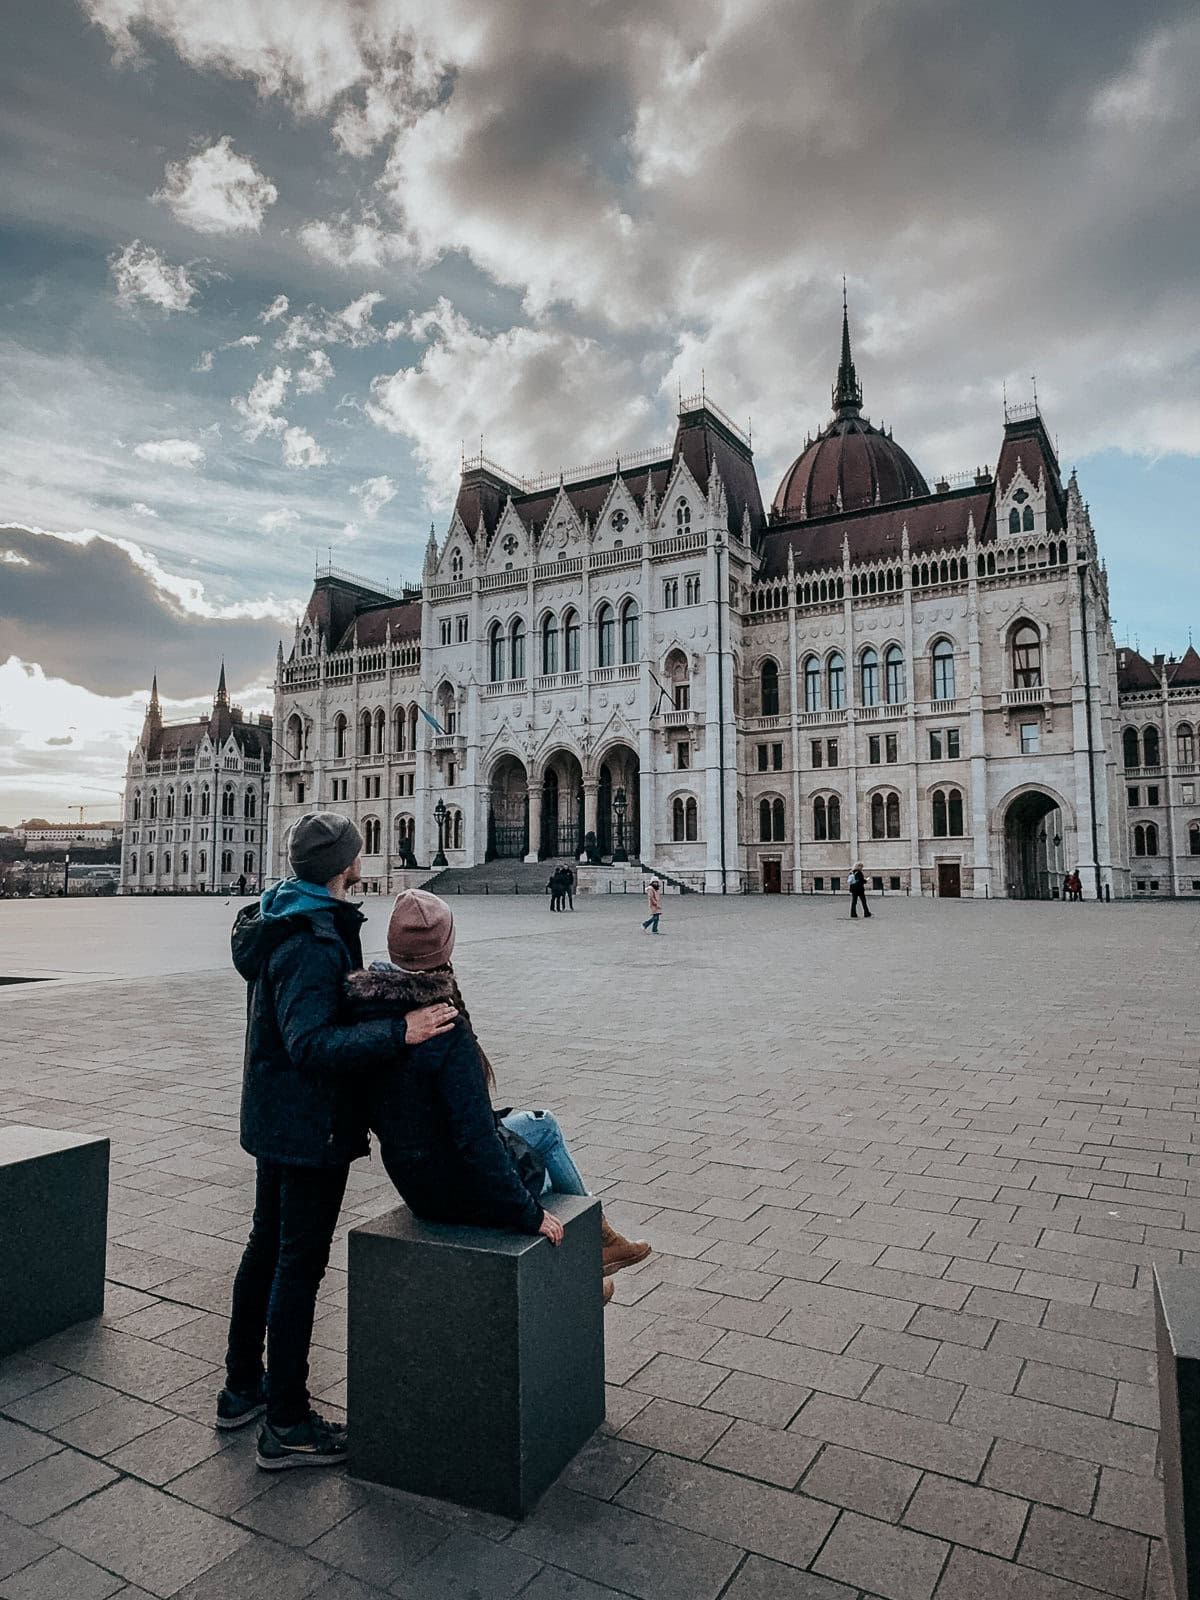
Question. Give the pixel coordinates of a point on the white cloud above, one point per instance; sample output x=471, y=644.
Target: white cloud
x=347, y=242
x=170, y=453
x=351, y=325
x=217, y=191
x=141, y=509
x=204, y=362
x=300, y=449
x=248, y=341
x=374, y=494
x=143, y=276
x=316, y=372
x=275, y=310
x=540, y=397
x=275, y=522
x=259, y=410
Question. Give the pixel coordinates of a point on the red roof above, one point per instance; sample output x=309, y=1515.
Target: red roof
x=933, y=522
x=1185, y=673
x=849, y=465
x=372, y=623
x=1134, y=671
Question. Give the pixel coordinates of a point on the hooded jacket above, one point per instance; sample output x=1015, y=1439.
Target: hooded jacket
x=434, y=1121
x=303, y=1058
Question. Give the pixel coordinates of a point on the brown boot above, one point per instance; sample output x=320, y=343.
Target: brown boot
x=609, y=1286
x=617, y=1252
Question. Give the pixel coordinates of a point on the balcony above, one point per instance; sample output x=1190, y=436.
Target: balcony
x=558, y=680
x=678, y=719
x=449, y=741
x=505, y=686
x=1039, y=695
x=815, y=719
x=765, y=724
x=625, y=674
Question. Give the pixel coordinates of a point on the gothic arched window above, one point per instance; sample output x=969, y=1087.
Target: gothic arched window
x=812, y=684
x=495, y=653
x=571, y=642
x=833, y=811
x=683, y=516
x=630, y=633
x=517, y=649
x=820, y=822
x=1027, y=519
x=690, y=820
x=1150, y=747
x=878, y=819
x=836, y=673
x=893, y=816
x=764, y=821
x=943, y=670
x=869, y=675
x=339, y=736
x=1185, y=745
x=1027, y=657
x=677, y=821
x=893, y=672
x=768, y=678
x=550, y=645
x=1014, y=521
x=1131, y=748
x=606, y=636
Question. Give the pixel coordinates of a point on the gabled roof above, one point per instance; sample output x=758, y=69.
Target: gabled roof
x=1027, y=443
x=1185, y=673
x=1134, y=671
x=370, y=626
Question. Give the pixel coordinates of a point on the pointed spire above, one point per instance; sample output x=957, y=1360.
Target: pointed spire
x=222, y=692
x=847, y=391
x=154, y=705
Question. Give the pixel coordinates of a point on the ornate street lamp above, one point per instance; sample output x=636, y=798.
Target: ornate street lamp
x=439, y=816
x=619, y=804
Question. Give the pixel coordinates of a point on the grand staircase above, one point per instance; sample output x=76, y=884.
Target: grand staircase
x=496, y=877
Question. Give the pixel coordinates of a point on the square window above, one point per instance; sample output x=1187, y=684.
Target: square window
x=1196, y=883
x=894, y=882
x=836, y=885
x=953, y=748
x=874, y=749
x=1031, y=738
x=935, y=745
x=683, y=755
x=762, y=758
x=819, y=885
x=1134, y=794
x=892, y=745
x=1140, y=883
x=451, y=775
x=831, y=752
x=877, y=885
x=777, y=757
x=1154, y=883
x=816, y=752
x=1152, y=794
x=1189, y=794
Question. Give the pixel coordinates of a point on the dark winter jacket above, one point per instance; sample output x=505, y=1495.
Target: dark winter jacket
x=434, y=1121
x=303, y=1056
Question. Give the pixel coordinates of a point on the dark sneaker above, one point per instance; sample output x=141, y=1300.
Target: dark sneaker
x=311, y=1443
x=236, y=1410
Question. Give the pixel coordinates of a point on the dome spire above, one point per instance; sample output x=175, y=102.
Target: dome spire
x=847, y=391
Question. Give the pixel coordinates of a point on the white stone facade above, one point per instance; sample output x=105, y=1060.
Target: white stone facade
x=949, y=658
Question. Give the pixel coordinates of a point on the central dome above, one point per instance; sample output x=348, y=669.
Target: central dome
x=851, y=463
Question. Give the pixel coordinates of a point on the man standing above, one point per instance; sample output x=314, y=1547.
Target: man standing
x=858, y=890
x=568, y=883
x=301, y=1123
x=654, y=896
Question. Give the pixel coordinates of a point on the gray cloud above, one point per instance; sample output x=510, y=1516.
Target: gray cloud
x=93, y=614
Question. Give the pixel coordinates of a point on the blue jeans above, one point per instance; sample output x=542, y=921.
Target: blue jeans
x=541, y=1132
x=651, y=921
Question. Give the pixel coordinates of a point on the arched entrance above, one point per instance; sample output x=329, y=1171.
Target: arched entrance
x=508, y=810
x=619, y=770
x=562, y=806
x=1034, y=851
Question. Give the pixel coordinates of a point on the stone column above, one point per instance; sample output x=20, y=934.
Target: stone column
x=590, y=787
x=534, y=792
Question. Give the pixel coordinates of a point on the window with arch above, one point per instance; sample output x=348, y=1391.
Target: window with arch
x=412, y=727
x=399, y=729
x=812, y=685
x=1027, y=520
x=943, y=670
x=1185, y=745
x=1194, y=839
x=516, y=649
x=226, y=860
x=364, y=733
x=1131, y=747
x=379, y=722
x=869, y=677
x=893, y=816
x=630, y=633
x=1150, y=747
x=606, y=636
x=456, y=565
x=187, y=800
x=170, y=804
x=205, y=801
x=947, y=814
x=678, y=680
x=166, y=866
x=1145, y=839
x=203, y=862
x=495, y=653
x=684, y=819
x=893, y=675
x=248, y=862
x=447, y=709
x=571, y=637
x=153, y=804
x=770, y=821
x=836, y=673
x=133, y=864
x=550, y=645
x=228, y=801
x=683, y=516
x=1026, y=657
x=768, y=681
x=885, y=816
x=677, y=821
x=1014, y=520
x=340, y=733
x=250, y=806
x=183, y=861
x=833, y=816
x=371, y=836
x=295, y=737
x=820, y=818
x=137, y=805
x=456, y=831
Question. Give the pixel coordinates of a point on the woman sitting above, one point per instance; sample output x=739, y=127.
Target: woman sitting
x=434, y=1120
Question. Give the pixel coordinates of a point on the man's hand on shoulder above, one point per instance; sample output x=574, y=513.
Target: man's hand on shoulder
x=428, y=1022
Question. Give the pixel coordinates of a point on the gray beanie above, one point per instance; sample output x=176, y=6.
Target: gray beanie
x=323, y=844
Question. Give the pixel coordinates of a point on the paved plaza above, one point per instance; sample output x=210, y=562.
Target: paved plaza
x=905, y=1180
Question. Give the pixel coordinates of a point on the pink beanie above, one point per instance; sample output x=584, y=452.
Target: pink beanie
x=420, y=932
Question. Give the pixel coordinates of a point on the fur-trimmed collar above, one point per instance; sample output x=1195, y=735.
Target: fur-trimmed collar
x=382, y=984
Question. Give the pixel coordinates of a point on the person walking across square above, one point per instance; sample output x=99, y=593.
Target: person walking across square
x=858, y=891
x=654, y=897
x=302, y=1121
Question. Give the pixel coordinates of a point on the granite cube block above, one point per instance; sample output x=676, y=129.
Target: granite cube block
x=476, y=1356
x=1177, y=1327
x=54, y=1201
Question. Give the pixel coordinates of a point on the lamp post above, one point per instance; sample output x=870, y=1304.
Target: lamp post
x=619, y=804
x=439, y=816
x=66, y=875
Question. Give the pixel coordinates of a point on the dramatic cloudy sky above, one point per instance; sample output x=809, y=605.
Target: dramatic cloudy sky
x=266, y=264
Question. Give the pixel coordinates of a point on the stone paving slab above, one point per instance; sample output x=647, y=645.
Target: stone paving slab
x=906, y=1184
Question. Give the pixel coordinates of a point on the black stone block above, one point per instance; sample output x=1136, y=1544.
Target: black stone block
x=54, y=1202
x=476, y=1357
x=1177, y=1330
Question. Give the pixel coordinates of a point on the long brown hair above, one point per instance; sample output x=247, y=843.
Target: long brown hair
x=460, y=1005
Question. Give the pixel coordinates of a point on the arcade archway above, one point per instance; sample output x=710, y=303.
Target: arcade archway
x=1034, y=846
x=619, y=771
x=508, y=810
x=562, y=806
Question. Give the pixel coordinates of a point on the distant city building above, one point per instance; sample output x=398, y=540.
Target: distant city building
x=57, y=836
x=637, y=657
x=195, y=801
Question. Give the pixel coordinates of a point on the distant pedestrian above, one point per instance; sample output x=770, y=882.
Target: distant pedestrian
x=654, y=897
x=569, y=888
x=554, y=888
x=858, y=890
x=1073, y=885
x=241, y=883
